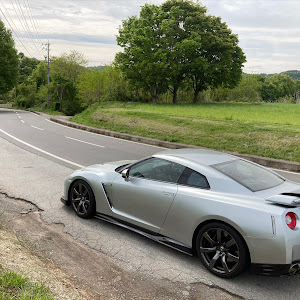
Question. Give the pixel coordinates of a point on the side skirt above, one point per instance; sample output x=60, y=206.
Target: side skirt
x=147, y=233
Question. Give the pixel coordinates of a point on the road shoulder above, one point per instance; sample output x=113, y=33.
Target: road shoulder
x=72, y=270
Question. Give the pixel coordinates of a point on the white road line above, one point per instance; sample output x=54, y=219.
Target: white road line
x=45, y=152
x=19, y=117
x=36, y=127
x=22, y=121
x=106, y=136
x=84, y=142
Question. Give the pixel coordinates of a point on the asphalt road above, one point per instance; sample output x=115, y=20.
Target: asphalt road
x=76, y=147
x=35, y=157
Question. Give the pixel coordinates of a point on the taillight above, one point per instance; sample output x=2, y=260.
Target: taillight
x=291, y=220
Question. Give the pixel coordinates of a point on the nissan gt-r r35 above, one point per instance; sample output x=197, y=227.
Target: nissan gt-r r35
x=228, y=211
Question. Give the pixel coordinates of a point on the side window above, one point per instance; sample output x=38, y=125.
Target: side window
x=193, y=178
x=157, y=169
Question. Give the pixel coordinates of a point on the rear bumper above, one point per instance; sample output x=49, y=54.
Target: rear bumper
x=276, y=270
x=65, y=201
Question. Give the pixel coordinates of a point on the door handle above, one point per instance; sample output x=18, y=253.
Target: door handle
x=168, y=194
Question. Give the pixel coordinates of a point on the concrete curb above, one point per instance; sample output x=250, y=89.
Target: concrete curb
x=265, y=161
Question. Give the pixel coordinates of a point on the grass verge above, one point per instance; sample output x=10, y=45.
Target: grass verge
x=14, y=286
x=270, y=130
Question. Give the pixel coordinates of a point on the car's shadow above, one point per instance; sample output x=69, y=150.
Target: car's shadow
x=138, y=253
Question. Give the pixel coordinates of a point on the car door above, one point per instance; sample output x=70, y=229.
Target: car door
x=144, y=199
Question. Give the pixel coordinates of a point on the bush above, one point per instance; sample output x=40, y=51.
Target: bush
x=24, y=102
x=73, y=107
x=55, y=106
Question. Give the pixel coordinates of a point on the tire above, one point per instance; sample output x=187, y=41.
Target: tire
x=82, y=199
x=222, y=250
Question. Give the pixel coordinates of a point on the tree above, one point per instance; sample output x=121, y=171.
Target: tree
x=278, y=86
x=248, y=90
x=9, y=61
x=297, y=91
x=39, y=75
x=69, y=66
x=176, y=41
x=144, y=60
x=90, y=86
x=27, y=66
x=65, y=72
x=181, y=43
x=116, y=87
x=219, y=60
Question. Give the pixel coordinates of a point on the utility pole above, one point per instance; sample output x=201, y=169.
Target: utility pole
x=48, y=71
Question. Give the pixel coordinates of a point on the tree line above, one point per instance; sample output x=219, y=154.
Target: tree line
x=172, y=53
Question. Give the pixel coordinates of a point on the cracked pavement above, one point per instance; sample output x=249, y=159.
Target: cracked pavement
x=39, y=181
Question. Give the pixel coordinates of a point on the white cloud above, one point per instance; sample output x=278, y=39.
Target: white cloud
x=268, y=30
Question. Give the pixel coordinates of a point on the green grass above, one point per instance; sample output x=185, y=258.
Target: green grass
x=14, y=286
x=270, y=130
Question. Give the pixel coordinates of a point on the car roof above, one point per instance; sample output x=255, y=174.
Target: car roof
x=201, y=156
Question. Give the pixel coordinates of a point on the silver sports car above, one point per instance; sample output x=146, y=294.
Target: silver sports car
x=226, y=210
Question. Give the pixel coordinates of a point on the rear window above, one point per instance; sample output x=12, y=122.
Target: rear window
x=191, y=178
x=253, y=177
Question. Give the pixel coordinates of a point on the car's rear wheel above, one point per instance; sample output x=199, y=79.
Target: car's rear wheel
x=82, y=199
x=221, y=249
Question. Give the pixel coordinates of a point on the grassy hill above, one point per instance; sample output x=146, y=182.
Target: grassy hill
x=266, y=129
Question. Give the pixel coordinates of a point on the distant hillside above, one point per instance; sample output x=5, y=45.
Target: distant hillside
x=97, y=67
x=294, y=74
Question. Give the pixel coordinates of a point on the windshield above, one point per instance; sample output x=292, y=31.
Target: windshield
x=253, y=177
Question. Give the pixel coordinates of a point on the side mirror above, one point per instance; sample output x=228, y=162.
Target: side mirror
x=125, y=174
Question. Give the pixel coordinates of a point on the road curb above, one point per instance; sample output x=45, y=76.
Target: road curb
x=265, y=161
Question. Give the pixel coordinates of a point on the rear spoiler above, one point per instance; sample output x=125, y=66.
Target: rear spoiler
x=287, y=199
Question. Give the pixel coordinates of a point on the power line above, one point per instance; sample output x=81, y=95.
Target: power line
x=32, y=21
x=29, y=29
x=23, y=22
x=37, y=48
x=11, y=27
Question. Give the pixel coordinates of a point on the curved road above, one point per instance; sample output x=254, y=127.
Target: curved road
x=68, y=146
x=37, y=175
x=72, y=147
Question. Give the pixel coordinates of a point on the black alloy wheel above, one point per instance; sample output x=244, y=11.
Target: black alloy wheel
x=222, y=251
x=82, y=199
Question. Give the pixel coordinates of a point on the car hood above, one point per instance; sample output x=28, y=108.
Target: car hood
x=109, y=166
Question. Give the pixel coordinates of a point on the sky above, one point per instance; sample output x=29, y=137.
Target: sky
x=268, y=30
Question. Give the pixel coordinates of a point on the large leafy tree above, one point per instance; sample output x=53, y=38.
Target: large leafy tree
x=182, y=44
x=177, y=41
x=9, y=61
x=213, y=57
x=219, y=60
x=145, y=57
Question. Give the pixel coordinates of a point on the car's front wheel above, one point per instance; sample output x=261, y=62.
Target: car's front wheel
x=82, y=199
x=221, y=249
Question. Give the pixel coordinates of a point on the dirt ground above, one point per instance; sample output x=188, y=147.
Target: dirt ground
x=72, y=270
